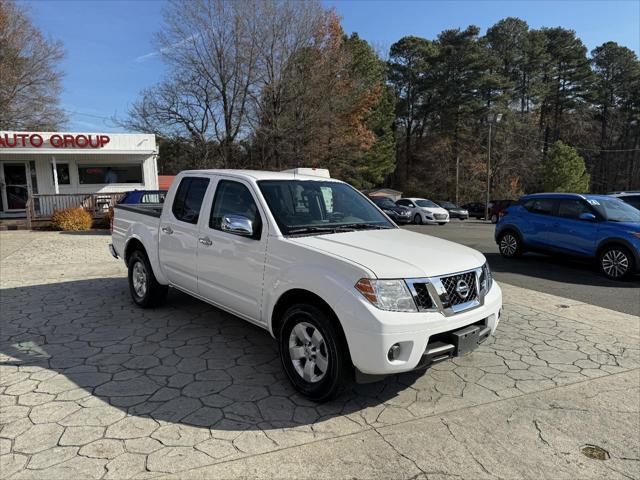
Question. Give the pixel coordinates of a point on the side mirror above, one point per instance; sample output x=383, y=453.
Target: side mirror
x=587, y=217
x=237, y=225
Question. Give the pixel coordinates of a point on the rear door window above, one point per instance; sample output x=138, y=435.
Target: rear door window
x=188, y=200
x=541, y=206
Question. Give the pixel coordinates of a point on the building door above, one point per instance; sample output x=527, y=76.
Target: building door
x=14, y=186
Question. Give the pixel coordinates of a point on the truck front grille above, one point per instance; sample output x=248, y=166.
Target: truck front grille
x=460, y=288
x=422, y=297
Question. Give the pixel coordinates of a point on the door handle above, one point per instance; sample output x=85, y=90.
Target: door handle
x=167, y=229
x=205, y=241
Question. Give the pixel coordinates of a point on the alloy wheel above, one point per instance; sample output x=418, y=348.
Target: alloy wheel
x=139, y=278
x=508, y=245
x=615, y=263
x=308, y=352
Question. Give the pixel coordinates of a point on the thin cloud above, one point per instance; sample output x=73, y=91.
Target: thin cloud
x=156, y=53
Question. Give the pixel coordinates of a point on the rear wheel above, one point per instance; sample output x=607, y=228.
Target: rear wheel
x=616, y=262
x=509, y=245
x=145, y=290
x=313, y=352
x=494, y=218
x=417, y=219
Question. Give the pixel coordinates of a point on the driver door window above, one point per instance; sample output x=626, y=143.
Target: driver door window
x=233, y=198
x=572, y=208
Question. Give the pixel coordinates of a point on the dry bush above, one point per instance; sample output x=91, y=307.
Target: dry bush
x=71, y=219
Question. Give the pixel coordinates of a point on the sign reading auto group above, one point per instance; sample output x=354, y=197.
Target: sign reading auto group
x=55, y=140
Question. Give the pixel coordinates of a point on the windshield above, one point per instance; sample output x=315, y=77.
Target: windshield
x=313, y=206
x=426, y=203
x=615, y=210
x=448, y=205
x=385, y=203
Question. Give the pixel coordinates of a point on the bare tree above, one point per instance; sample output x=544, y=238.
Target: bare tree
x=228, y=63
x=215, y=41
x=178, y=108
x=284, y=29
x=29, y=73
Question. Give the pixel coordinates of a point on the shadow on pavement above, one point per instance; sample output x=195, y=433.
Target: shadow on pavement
x=557, y=268
x=186, y=362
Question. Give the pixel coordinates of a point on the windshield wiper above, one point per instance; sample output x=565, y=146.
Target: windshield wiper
x=336, y=228
x=361, y=226
x=303, y=230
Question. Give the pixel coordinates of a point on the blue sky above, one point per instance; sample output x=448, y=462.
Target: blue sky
x=110, y=51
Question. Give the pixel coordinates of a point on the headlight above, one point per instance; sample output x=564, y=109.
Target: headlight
x=486, y=281
x=392, y=295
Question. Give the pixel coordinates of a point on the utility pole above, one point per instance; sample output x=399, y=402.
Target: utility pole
x=491, y=117
x=486, y=203
x=457, y=178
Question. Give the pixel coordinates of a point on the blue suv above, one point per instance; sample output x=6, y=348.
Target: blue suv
x=597, y=227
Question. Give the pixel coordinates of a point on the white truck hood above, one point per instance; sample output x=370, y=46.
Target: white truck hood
x=397, y=253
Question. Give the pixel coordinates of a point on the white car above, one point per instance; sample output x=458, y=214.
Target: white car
x=344, y=291
x=425, y=211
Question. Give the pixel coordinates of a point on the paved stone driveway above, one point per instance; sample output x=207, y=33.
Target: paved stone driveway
x=93, y=387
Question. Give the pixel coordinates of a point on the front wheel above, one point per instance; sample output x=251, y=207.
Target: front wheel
x=313, y=353
x=509, y=245
x=616, y=262
x=145, y=290
x=442, y=223
x=494, y=218
x=417, y=219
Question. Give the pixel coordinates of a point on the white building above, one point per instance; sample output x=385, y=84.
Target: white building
x=72, y=163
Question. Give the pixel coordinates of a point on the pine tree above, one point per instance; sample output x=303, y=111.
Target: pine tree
x=563, y=170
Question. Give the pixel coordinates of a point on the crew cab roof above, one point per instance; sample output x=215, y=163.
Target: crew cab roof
x=258, y=175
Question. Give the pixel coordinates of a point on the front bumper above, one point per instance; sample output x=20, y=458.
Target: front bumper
x=434, y=221
x=371, y=332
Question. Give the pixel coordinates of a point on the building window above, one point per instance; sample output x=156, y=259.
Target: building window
x=117, y=173
x=63, y=173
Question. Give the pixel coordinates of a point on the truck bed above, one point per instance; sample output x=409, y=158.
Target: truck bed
x=151, y=209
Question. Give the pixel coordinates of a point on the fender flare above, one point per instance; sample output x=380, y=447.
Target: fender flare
x=141, y=235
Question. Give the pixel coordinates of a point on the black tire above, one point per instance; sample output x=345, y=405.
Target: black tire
x=616, y=262
x=145, y=290
x=494, y=218
x=417, y=219
x=442, y=223
x=509, y=244
x=322, y=385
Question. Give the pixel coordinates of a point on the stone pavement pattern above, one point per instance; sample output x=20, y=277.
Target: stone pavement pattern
x=93, y=387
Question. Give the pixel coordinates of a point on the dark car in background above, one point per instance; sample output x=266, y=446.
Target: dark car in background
x=595, y=227
x=475, y=209
x=136, y=197
x=497, y=207
x=632, y=198
x=454, y=210
x=397, y=213
x=143, y=196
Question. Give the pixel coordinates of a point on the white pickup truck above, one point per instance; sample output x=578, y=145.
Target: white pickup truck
x=344, y=291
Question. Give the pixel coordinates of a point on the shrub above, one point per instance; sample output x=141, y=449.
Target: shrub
x=71, y=219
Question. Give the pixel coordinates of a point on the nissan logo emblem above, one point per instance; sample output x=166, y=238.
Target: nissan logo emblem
x=462, y=289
